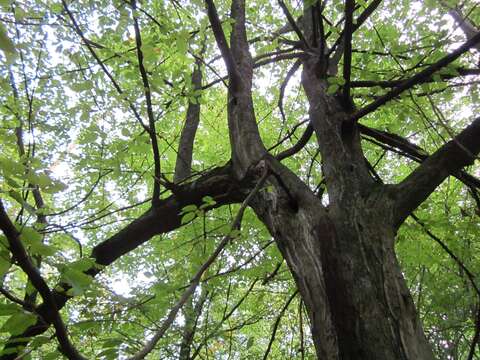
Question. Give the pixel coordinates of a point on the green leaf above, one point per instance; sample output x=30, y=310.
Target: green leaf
x=188, y=217
x=18, y=323
x=332, y=89
x=78, y=280
x=6, y=45
x=42, y=249
x=182, y=41
x=30, y=236
x=209, y=200
x=9, y=309
x=189, y=208
x=40, y=340
x=55, y=355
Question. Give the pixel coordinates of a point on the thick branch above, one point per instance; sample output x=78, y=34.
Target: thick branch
x=392, y=141
x=233, y=73
x=450, y=158
x=463, y=22
x=394, y=83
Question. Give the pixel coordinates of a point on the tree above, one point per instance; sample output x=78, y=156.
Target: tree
x=235, y=248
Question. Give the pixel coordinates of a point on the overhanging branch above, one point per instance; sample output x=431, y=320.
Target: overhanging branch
x=450, y=158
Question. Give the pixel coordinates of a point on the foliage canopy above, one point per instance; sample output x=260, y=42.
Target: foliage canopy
x=82, y=86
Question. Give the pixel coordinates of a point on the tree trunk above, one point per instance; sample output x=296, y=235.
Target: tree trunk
x=345, y=268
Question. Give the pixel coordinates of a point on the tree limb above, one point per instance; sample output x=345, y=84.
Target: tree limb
x=183, y=165
x=393, y=83
x=52, y=314
x=151, y=117
x=293, y=24
x=450, y=158
x=347, y=54
x=232, y=69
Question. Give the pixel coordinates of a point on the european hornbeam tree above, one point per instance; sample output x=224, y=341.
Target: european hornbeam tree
x=239, y=180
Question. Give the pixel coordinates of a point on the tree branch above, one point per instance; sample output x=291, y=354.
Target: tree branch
x=416, y=79
x=394, y=83
x=357, y=24
x=412, y=151
x=277, y=323
x=101, y=64
x=298, y=146
x=290, y=73
x=151, y=117
x=450, y=158
x=293, y=24
x=347, y=55
x=26, y=264
x=232, y=69
x=183, y=165
x=217, y=183
x=463, y=22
